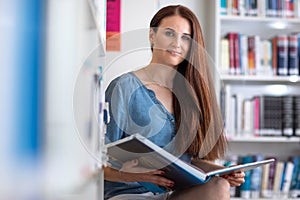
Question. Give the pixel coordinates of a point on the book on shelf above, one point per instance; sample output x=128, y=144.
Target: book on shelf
x=296, y=108
x=261, y=115
x=293, y=59
x=151, y=156
x=261, y=8
x=245, y=188
x=251, y=55
x=282, y=55
x=279, y=179
x=255, y=178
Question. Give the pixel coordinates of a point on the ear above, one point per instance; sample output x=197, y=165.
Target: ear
x=151, y=35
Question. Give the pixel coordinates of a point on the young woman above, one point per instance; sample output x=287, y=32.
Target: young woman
x=172, y=102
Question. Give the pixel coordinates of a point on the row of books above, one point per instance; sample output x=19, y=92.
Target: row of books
x=261, y=8
x=262, y=115
x=242, y=54
x=280, y=179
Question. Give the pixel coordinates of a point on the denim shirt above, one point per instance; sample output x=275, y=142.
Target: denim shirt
x=135, y=109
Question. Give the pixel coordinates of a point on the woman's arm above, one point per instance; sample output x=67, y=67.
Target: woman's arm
x=130, y=172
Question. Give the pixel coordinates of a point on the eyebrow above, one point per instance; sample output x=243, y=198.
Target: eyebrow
x=188, y=34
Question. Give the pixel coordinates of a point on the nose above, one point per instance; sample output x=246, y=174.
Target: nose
x=177, y=40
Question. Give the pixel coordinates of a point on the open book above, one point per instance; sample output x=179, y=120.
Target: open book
x=152, y=156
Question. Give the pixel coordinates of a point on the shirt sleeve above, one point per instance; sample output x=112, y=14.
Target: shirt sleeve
x=118, y=110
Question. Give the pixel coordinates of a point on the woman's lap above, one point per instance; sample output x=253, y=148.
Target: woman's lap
x=144, y=196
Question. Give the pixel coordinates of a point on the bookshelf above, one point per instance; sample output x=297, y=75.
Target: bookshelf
x=245, y=142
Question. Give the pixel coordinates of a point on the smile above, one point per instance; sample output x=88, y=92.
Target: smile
x=174, y=52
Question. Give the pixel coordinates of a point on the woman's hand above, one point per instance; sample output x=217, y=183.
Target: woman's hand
x=235, y=179
x=131, y=172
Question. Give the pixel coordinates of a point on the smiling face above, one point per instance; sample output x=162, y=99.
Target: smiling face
x=171, y=41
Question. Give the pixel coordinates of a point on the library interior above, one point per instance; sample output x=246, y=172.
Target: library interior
x=58, y=57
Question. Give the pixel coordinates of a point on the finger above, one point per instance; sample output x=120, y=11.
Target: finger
x=238, y=174
x=236, y=182
x=158, y=180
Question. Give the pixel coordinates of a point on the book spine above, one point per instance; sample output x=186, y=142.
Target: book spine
x=244, y=53
x=256, y=116
x=224, y=68
x=271, y=178
x=277, y=179
x=297, y=115
x=293, y=65
x=223, y=7
x=232, y=160
x=274, y=55
x=264, y=181
x=257, y=54
x=256, y=178
x=230, y=37
x=245, y=188
x=280, y=8
x=295, y=176
x=282, y=56
x=237, y=64
x=287, y=179
x=287, y=115
x=251, y=55
x=289, y=8
x=261, y=7
x=272, y=8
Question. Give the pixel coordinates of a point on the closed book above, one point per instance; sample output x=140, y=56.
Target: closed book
x=293, y=58
x=289, y=8
x=224, y=56
x=261, y=7
x=271, y=8
x=271, y=178
x=271, y=115
x=230, y=37
x=296, y=174
x=295, y=184
x=258, y=54
x=256, y=178
x=251, y=55
x=265, y=193
x=297, y=115
x=282, y=55
x=244, y=53
x=265, y=58
x=287, y=115
x=223, y=7
x=237, y=58
x=245, y=188
x=287, y=179
x=274, y=55
x=277, y=179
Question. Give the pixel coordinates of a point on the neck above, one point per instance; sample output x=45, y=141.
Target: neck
x=161, y=74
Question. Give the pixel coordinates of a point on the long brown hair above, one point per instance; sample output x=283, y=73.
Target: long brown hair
x=199, y=124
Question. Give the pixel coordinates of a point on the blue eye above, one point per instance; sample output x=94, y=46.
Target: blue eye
x=170, y=33
x=185, y=37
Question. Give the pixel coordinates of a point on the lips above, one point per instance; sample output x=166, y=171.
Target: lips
x=172, y=52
